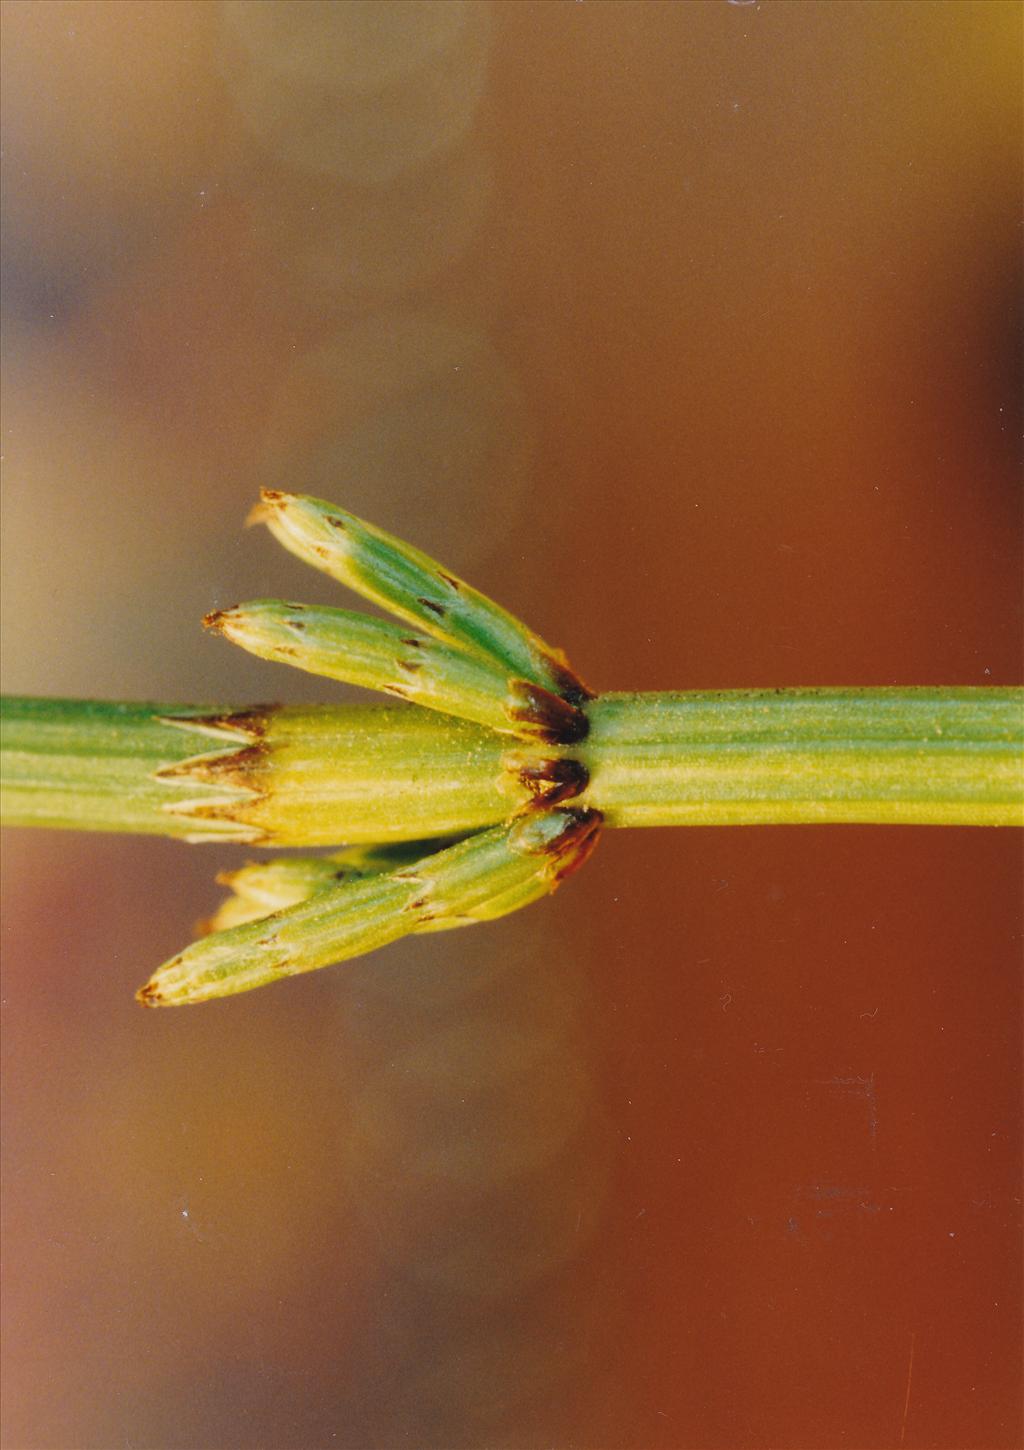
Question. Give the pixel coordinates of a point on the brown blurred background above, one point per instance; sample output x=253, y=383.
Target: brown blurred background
x=690, y=332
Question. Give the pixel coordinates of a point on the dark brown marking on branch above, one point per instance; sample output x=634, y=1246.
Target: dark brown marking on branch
x=450, y=580
x=337, y=523
x=218, y=619
x=433, y=606
x=411, y=667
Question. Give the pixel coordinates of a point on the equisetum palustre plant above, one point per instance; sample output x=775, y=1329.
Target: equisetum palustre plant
x=486, y=784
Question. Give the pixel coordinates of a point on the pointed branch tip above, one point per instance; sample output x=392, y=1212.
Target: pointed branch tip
x=270, y=500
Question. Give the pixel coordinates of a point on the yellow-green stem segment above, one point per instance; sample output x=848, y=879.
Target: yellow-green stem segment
x=778, y=757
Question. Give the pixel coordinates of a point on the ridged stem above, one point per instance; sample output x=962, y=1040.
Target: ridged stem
x=751, y=757
x=291, y=776
x=315, y=776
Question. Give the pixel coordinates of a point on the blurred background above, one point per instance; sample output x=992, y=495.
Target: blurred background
x=691, y=333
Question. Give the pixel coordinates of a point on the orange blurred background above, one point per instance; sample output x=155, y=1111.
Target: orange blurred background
x=691, y=333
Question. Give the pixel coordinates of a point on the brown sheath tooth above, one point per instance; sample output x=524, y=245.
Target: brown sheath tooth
x=237, y=769
x=251, y=723
x=230, y=825
x=574, y=846
x=432, y=605
x=450, y=580
x=207, y=810
x=565, y=850
x=570, y=686
x=230, y=810
x=550, y=718
x=549, y=780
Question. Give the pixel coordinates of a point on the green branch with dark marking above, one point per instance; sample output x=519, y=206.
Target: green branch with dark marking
x=486, y=784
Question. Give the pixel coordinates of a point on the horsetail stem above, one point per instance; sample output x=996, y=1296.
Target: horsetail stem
x=748, y=757
x=501, y=745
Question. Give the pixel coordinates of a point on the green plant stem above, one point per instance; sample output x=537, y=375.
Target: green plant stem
x=88, y=765
x=326, y=775
x=753, y=757
x=291, y=776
